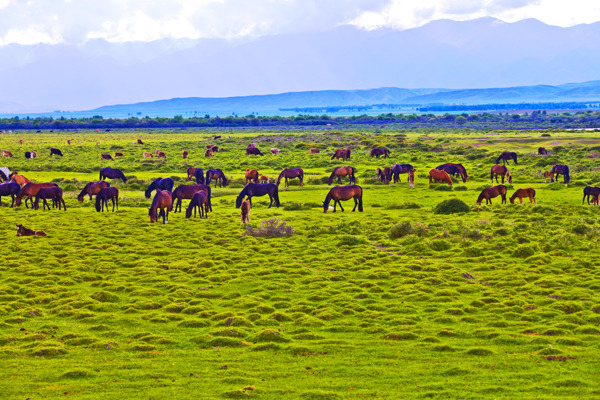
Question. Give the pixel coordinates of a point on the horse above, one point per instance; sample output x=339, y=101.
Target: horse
x=139, y=141
x=264, y=179
x=339, y=172
x=161, y=154
x=20, y=179
x=253, y=151
x=54, y=193
x=156, y=151
x=105, y=194
x=9, y=189
x=502, y=171
x=275, y=151
x=550, y=175
x=255, y=189
x=22, y=231
x=187, y=192
x=454, y=169
x=591, y=191
x=245, y=208
x=30, y=154
x=314, y=151
x=291, y=173
x=385, y=175
x=563, y=170
x=217, y=175
x=348, y=192
x=199, y=175
x=55, y=151
x=69, y=142
x=112, y=173
x=542, y=151
x=92, y=189
x=215, y=148
x=21, y=142
x=105, y=156
x=344, y=154
x=251, y=146
x=489, y=193
x=190, y=173
x=436, y=175
x=4, y=174
x=199, y=201
x=160, y=183
x=520, y=193
x=208, y=153
x=398, y=169
x=411, y=177
x=380, y=151
x=147, y=154
x=6, y=153
x=251, y=175
x=507, y=155
x=164, y=201
x=185, y=154
x=217, y=137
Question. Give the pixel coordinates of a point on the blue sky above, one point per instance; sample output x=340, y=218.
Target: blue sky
x=75, y=21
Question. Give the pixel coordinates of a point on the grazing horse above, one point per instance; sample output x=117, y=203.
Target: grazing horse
x=380, y=151
x=20, y=179
x=398, y=169
x=439, y=176
x=6, y=153
x=9, y=189
x=112, y=173
x=119, y=154
x=30, y=154
x=187, y=192
x=563, y=170
x=217, y=175
x=55, y=151
x=275, y=151
x=290, y=173
x=92, y=189
x=199, y=175
x=542, y=151
x=251, y=146
x=191, y=173
x=199, y=201
x=160, y=183
x=489, y=193
x=217, y=137
x=208, y=153
x=139, y=141
x=147, y=154
x=69, y=142
x=339, y=172
x=251, y=175
x=164, y=201
x=591, y=191
x=385, y=175
x=161, y=154
x=454, y=169
x=411, y=177
x=502, y=171
x=54, y=193
x=255, y=189
x=185, y=154
x=314, y=151
x=263, y=179
x=215, y=148
x=105, y=194
x=253, y=151
x=246, y=206
x=105, y=156
x=507, y=155
x=348, y=192
x=520, y=193
x=344, y=154
x=548, y=175
x=31, y=189
x=22, y=231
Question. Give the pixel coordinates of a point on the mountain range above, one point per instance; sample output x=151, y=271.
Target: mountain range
x=481, y=53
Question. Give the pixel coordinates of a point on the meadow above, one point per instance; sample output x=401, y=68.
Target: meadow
x=395, y=302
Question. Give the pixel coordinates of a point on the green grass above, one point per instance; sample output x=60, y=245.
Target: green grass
x=395, y=302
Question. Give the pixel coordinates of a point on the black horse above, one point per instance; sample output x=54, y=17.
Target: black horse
x=563, y=170
x=454, y=169
x=217, y=175
x=9, y=189
x=542, y=151
x=258, y=189
x=105, y=194
x=507, y=155
x=591, y=191
x=55, y=151
x=398, y=169
x=112, y=173
x=199, y=174
x=160, y=183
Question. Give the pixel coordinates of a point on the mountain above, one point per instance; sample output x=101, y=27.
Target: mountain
x=485, y=52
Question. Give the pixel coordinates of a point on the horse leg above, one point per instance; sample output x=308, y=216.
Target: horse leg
x=355, y=204
x=270, y=197
x=341, y=208
x=113, y=201
x=521, y=200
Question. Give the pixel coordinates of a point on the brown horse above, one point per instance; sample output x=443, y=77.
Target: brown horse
x=119, y=154
x=161, y=154
x=147, y=154
x=31, y=189
x=502, y=171
x=338, y=193
x=548, y=175
x=380, y=151
x=290, y=173
x=5, y=153
x=20, y=179
x=411, y=177
x=275, y=151
x=105, y=156
x=439, y=176
x=520, y=193
x=339, y=172
x=139, y=141
x=542, y=151
x=163, y=200
x=54, y=193
x=208, y=153
x=92, y=189
x=22, y=231
x=385, y=175
x=245, y=207
x=199, y=201
x=489, y=193
x=344, y=154
x=251, y=175
x=314, y=151
x=191, y=173
x=187, y=192
x=264, y=179
x=185, y=154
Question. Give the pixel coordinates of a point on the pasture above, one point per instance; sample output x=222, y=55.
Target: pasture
x=394, y=302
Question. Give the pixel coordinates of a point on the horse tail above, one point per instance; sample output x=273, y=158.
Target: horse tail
x=276, y=196
x=360, y=206
x=208, y=196
x=567, y=177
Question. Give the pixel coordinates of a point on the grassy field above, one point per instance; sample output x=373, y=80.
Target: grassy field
x=392, y=303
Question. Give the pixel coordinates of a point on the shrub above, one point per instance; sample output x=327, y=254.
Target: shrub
x=271, y=228
x=451, y=206
x=460, y=188
x=351, y=240
x=293, y=206
x=400, y=230
x=403, y=206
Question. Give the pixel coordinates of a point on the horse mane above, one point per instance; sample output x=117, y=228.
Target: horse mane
x=155, y=200
x=98, y=200
x=280, y=175
x=223, y=177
